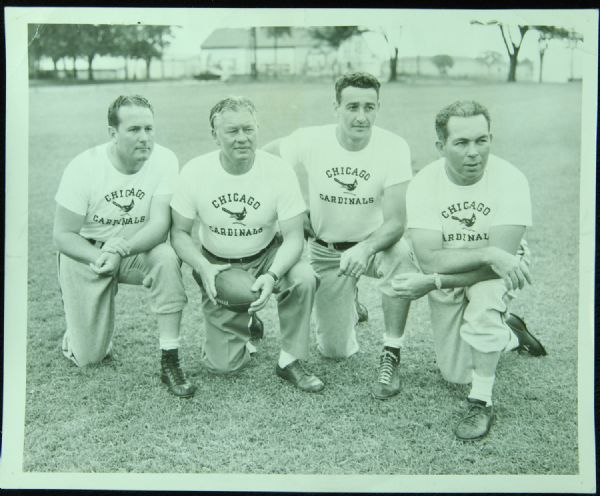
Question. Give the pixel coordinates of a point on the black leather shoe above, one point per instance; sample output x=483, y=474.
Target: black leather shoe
x=172, y=375
x=527, y=341
x=477, y=421
x=295, y=374
x=256, y=328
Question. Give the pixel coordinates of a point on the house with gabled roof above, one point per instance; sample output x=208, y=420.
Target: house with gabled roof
x=232, y=51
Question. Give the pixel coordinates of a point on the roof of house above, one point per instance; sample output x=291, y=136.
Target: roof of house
x=242, y=38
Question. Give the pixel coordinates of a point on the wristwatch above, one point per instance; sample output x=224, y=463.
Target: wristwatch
x=273, y=275
x=437, y=280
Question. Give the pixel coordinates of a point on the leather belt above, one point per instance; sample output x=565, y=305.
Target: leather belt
x=98, y=244
x=242, y=260
x=341, y=245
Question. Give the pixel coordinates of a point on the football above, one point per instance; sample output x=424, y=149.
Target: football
x=233, y=289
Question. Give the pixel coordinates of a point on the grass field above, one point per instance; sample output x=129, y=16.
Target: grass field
x=117, y=417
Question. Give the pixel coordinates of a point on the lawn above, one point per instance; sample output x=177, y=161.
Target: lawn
x=117, y=417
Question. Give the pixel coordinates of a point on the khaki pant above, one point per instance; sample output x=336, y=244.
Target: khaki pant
x=466, y=318
x=334, y=304
x=89, y=300
x=227, y=332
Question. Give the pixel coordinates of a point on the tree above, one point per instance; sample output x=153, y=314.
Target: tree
x=147, y=43
x=392, y=38
x=95, y=40
x=275, y=33
x=253, y=68
x=334, y=36
x=443, y=63
x=490, y=58
x=513, y=38
x=548, y=33
x=68, y=40
x=35, y=48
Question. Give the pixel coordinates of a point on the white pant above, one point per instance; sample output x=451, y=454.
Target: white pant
x=89, y=300
x=334, y=303
x=465, y=318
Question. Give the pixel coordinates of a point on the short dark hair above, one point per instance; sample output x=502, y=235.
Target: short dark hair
x=356, y=80
x=234, y=103
x=460, y=108
x=124, y=101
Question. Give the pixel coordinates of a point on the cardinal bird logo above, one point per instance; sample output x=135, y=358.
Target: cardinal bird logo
x=238, y=216
x=125, y=209
x=467, y=222
x=347, y=186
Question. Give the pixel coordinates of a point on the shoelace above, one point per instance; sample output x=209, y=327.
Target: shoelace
x=386, y=367
x=174, y=369
x=471, y=416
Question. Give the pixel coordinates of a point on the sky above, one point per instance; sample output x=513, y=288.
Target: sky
x=416, y=32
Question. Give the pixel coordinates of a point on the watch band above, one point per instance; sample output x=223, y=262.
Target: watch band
x=273, y=275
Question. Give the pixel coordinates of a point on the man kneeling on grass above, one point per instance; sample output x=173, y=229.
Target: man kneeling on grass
x=242, y=198
x=111, y=224
x=466, y=215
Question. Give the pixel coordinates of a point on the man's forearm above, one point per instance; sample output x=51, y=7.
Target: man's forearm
x=385, y=236
x=148, y=237
x=465, y=279
x=287, y=255
x=457, y=260
x=76, y=247
x=187, y=250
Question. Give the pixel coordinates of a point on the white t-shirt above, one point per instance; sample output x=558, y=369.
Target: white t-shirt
x=238, y=213
x=345, y=187
x=114, y=203
x=465, y=214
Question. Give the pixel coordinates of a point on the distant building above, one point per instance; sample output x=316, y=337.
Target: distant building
x=232, y=52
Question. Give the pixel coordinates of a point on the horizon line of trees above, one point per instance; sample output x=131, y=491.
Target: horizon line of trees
x=69, y=42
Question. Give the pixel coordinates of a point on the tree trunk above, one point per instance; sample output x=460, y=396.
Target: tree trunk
x=55, y=63
x=394, y=66
x=74, y=68
x=541, y=65
x=148, y=61
x=253, y=68
x=275, y=55
x=90, y=71
x=512, y=68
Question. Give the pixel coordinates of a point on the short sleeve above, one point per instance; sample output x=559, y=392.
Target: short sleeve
x=290, y=202
x=182, y=200
x=291, y=147
x=400, y=168
x=170, y=171
x=73, y=190
x=514, y=208
x=420, y=207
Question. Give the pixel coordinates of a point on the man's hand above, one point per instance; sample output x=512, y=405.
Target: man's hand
x=265, y=284
x=107, y=264
x=412, y=285
x=354, y=261
x=511, y=268
x=117, y=245
x=208, y=272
